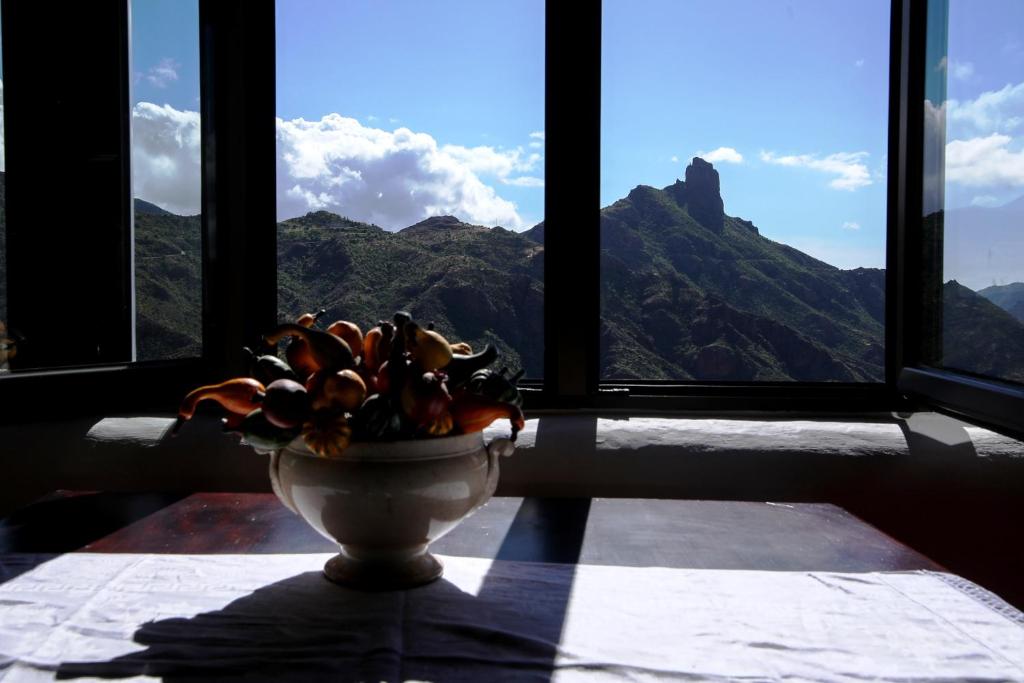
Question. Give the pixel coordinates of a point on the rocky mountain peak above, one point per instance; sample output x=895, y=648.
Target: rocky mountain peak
x=700, y=194
x=704, y=194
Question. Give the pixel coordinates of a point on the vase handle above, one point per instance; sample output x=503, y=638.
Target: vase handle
x=275, y=481
x=496, y=449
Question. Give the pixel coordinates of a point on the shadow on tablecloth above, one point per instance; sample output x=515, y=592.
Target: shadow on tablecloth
x=306, y=628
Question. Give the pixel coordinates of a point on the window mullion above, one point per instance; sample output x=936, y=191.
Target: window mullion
x=572, y=202
x=239, y=183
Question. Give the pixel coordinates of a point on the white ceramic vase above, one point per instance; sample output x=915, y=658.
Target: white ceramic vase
x=384, y=503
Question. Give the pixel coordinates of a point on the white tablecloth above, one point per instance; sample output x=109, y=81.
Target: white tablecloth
x=275, y=618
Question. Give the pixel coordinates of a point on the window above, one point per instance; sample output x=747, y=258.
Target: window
x=270, y=172
x=973, y=205
x=166, y=178
x=743, y=159
x=66, y=247
x=410, y=167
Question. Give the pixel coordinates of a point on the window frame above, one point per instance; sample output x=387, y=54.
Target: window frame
x=238, y=222
x=238, y=106
x=986, y=401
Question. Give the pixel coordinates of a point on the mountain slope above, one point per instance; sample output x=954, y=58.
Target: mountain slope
x=691, y=293
x=476, y=284
x=1009, y=297
x=168, y=284
x=979, y=336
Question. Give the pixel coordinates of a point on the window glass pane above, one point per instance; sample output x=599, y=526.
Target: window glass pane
x=166, y=178
x=411, y=167
x=743, y=163
x=973, y=200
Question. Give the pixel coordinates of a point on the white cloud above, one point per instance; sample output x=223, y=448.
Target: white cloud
x=393, y=179
x=501, y=163
x=961, y=71
x=371, y=118
x=165, y=72
x=722, y=155
x=394, y=119
x=674, y=159
x=984, y=161
x=537, y=139
x=166, y=156
x=524, y=181
x=985, y=200
x=849, y=168
x=992, y=111
x=933, y=198
x=851, y=225
x=859, y=63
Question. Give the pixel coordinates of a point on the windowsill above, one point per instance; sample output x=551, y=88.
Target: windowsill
x=753, y=458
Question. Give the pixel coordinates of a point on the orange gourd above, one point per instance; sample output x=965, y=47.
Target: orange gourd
x=474, y=413
x=240, y=396
x=350, y=332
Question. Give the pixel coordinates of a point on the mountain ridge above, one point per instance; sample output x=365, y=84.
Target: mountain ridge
x=688, y=292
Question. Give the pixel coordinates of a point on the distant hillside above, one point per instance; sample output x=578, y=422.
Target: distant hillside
x=979, y=336
x=1009, y=297
x=168, y=284
x=144, y=207
x=689, y=292
x=476, y=284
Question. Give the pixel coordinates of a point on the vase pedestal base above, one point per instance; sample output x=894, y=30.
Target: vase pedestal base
x=383, y=574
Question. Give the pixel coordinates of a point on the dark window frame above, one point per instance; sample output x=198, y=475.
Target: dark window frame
x=239, y=240
x=987, y=401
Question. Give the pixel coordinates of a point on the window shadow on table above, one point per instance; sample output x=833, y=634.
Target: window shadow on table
x=64, y=522
x=305, y=628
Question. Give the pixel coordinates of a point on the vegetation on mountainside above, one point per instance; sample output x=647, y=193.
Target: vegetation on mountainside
x=682, y=299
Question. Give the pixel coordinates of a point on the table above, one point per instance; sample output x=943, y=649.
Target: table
x=605, y=531
x=730, y=573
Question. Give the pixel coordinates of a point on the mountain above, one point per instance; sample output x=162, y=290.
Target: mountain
x=144, y=207
x=476, y=284
x=1009, y=297
x=692, y=293
x=168, y=284
x=688, y=291
x=979, y=336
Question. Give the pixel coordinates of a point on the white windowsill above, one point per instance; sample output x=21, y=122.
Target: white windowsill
x=754, y=458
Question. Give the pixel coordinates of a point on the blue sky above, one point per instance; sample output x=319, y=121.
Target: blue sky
x=975, y=92
x=391, y=111
x=165, y=52
x=803, y=82
x=468, y=74
x=981, y=74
